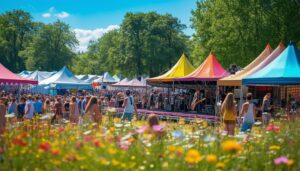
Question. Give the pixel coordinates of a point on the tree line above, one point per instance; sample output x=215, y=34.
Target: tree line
x=150, y=43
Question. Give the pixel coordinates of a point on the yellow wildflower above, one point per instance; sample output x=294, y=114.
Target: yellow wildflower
x=115, y=162
x=231, y=146
x=56, y=162
x=211, y=158
x=220, y=165
x=112, y=151
x=172, y=149
x=193, y=156
x=274, y=147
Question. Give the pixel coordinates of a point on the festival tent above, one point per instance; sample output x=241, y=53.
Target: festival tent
x=121, y=83
x=209, y=70
x=236, y=79
x=64, y=79
x=116, y=78
x=182, y=68
x=107, y=78
x=135, y=83
x=82, y=77
x=98, y=80
x=40, y=75
x=132, y=83
x=8, y=77
x=284, y=70
x=24, y=73
x=91, y=78
x=36, y=75
x=47, y=74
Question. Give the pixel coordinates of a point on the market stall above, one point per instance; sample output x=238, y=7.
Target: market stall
x=13, y=83
x=64, y=80
x=235, y=81
x=282, y=72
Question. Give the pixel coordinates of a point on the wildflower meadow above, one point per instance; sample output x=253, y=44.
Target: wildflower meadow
x=116, y=145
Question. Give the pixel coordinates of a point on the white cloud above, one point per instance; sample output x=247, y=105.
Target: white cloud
x=85, y=36
x=62, y=14
x=46, y=15
x=52, y=12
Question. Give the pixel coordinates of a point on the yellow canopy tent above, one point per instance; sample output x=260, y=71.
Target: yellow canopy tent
x=236, y=79
x=182, y=68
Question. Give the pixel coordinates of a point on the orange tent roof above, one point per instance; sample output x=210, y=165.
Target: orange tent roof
x=209, y=70
x=182, y=68
x=236, y=79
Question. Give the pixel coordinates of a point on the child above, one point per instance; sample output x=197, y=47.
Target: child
x=153, y=126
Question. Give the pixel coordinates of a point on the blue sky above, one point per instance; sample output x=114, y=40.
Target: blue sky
x=90, y=19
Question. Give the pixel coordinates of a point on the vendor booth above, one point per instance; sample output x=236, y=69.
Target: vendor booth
x=64, y=80
x=282, y=72
x=13, y=83
x=235, y=81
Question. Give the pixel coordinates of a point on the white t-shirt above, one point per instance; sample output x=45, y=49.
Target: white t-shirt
x=129, y=108
x=29, y=115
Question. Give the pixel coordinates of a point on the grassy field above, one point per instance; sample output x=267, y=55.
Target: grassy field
x=38, y=145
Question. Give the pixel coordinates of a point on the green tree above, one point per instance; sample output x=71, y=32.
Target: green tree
x=237, y=30
x=52, y=47
x=151, y=42
x=146, y=43
x=16, y=30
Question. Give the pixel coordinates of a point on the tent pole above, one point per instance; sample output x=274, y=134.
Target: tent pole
x=216, y=103
x=286, y=96
x=19, y=90
x=241, y=97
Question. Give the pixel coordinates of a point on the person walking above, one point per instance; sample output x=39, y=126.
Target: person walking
x=58, y=113
x=92, y=110
x=38, y=105
x=21, y=108
x=74, y=110
x=249, y=113
x=229, y=110
x=2, y=117
x=47, y=106
x=66, y=109
x=266, y=109
x=12, y=107
x=129, y=107
x=29, y=108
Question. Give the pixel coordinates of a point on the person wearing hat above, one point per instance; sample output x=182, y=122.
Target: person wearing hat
x=129, y=106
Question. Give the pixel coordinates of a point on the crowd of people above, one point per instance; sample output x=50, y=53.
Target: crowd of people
x=78, y=108
x=249, y=112
x=73, y=108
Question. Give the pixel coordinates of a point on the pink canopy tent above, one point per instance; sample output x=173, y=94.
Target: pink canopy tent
x=209, y=70
x=8, y=77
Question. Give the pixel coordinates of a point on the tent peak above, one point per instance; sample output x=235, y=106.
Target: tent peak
x=281, y=43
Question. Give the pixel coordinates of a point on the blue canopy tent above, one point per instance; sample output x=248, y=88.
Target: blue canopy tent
x=284, y=70
x=64, y=79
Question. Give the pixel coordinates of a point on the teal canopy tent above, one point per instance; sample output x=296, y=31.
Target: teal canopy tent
x=284, y=70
